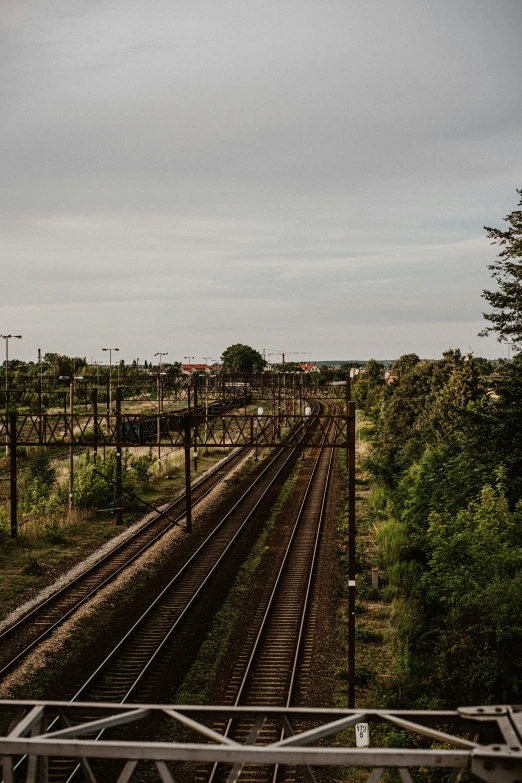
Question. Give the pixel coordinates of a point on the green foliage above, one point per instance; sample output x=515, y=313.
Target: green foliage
x=32, y=567
x=445, y=434
x=473, y=549
x=506, y=301
x=474, y=582
x=368, y=388
x=63, y=365
x=91, y=490
x=242, y=359
x=142, y=473
x=40, y=467
x=287, y=367
x=94, y=484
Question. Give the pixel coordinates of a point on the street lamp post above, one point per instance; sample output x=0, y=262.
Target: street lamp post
x=161, y=354
x=7, y=337
x=109, y=409
x=187, y=433
x=206, y=359
x=188, y=387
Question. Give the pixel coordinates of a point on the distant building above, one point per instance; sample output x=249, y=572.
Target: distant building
x=307, y=367
x=187, y=369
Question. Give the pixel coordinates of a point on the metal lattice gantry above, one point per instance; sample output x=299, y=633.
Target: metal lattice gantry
x=216, y=431
x=485, y=740
x=36, y=394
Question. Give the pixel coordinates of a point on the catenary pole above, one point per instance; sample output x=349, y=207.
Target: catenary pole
x=71, y=440
x=351, y=547
x=188, y=497
x=119, y=478
x=14, y=495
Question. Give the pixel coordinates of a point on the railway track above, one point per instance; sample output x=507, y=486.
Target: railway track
x=276, y=655
x=162, y=642
x=29, y=631
x=34, y=627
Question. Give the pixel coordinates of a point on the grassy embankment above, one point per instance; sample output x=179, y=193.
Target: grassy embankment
x=374, y=647
x=376, y=651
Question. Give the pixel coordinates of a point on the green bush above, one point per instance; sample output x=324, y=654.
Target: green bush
x=40, y=467
x=32, y=567
x=91, y=490
x=141, y=467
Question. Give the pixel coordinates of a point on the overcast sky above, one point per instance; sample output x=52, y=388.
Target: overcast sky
x=180, y=175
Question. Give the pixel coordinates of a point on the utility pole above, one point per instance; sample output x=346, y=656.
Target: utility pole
x=119, y=478
x=206, y=359
x=161, y=354
x=189, y=369
x=14, y=491
x=109, y=409
x=159, y=392
x=188, y=497
x=40, y=396
x=7, y=337
x=195, y=423
x=95, y=428
x=71, y=437
x=278, y=404
x=350, y=454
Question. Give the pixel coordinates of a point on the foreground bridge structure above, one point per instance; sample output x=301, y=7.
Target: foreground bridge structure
x=485, y=740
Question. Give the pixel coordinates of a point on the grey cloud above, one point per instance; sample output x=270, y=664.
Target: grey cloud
x=303, y=168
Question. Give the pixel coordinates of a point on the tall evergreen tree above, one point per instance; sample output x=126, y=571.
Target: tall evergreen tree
x=506, y=317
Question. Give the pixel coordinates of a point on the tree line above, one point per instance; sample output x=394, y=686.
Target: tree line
x=447, y=456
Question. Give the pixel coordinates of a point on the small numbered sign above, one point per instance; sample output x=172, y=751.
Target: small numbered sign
x=308, y=411
x=362, y=735
x=260, y=411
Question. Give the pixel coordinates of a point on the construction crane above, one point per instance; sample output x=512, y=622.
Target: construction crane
x=273, y=352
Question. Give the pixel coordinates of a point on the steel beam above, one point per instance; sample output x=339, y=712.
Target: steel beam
x=495, y=763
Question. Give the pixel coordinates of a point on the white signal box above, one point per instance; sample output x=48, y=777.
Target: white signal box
x=308, y=411
x=362, y=735
x=260, y=411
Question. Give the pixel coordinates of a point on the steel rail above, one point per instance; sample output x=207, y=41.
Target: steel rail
x=203, y=546
x=176, y=578
x=241, y=452
x=261, y=634
x=280, y=451
x=236, y=458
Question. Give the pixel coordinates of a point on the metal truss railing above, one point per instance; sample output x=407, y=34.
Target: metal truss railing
x=216, y=431
x=485, y=740
x=34, y=394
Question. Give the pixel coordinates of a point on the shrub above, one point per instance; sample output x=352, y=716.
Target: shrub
x=32, y=567
x=141, y=468
x=40, y=467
